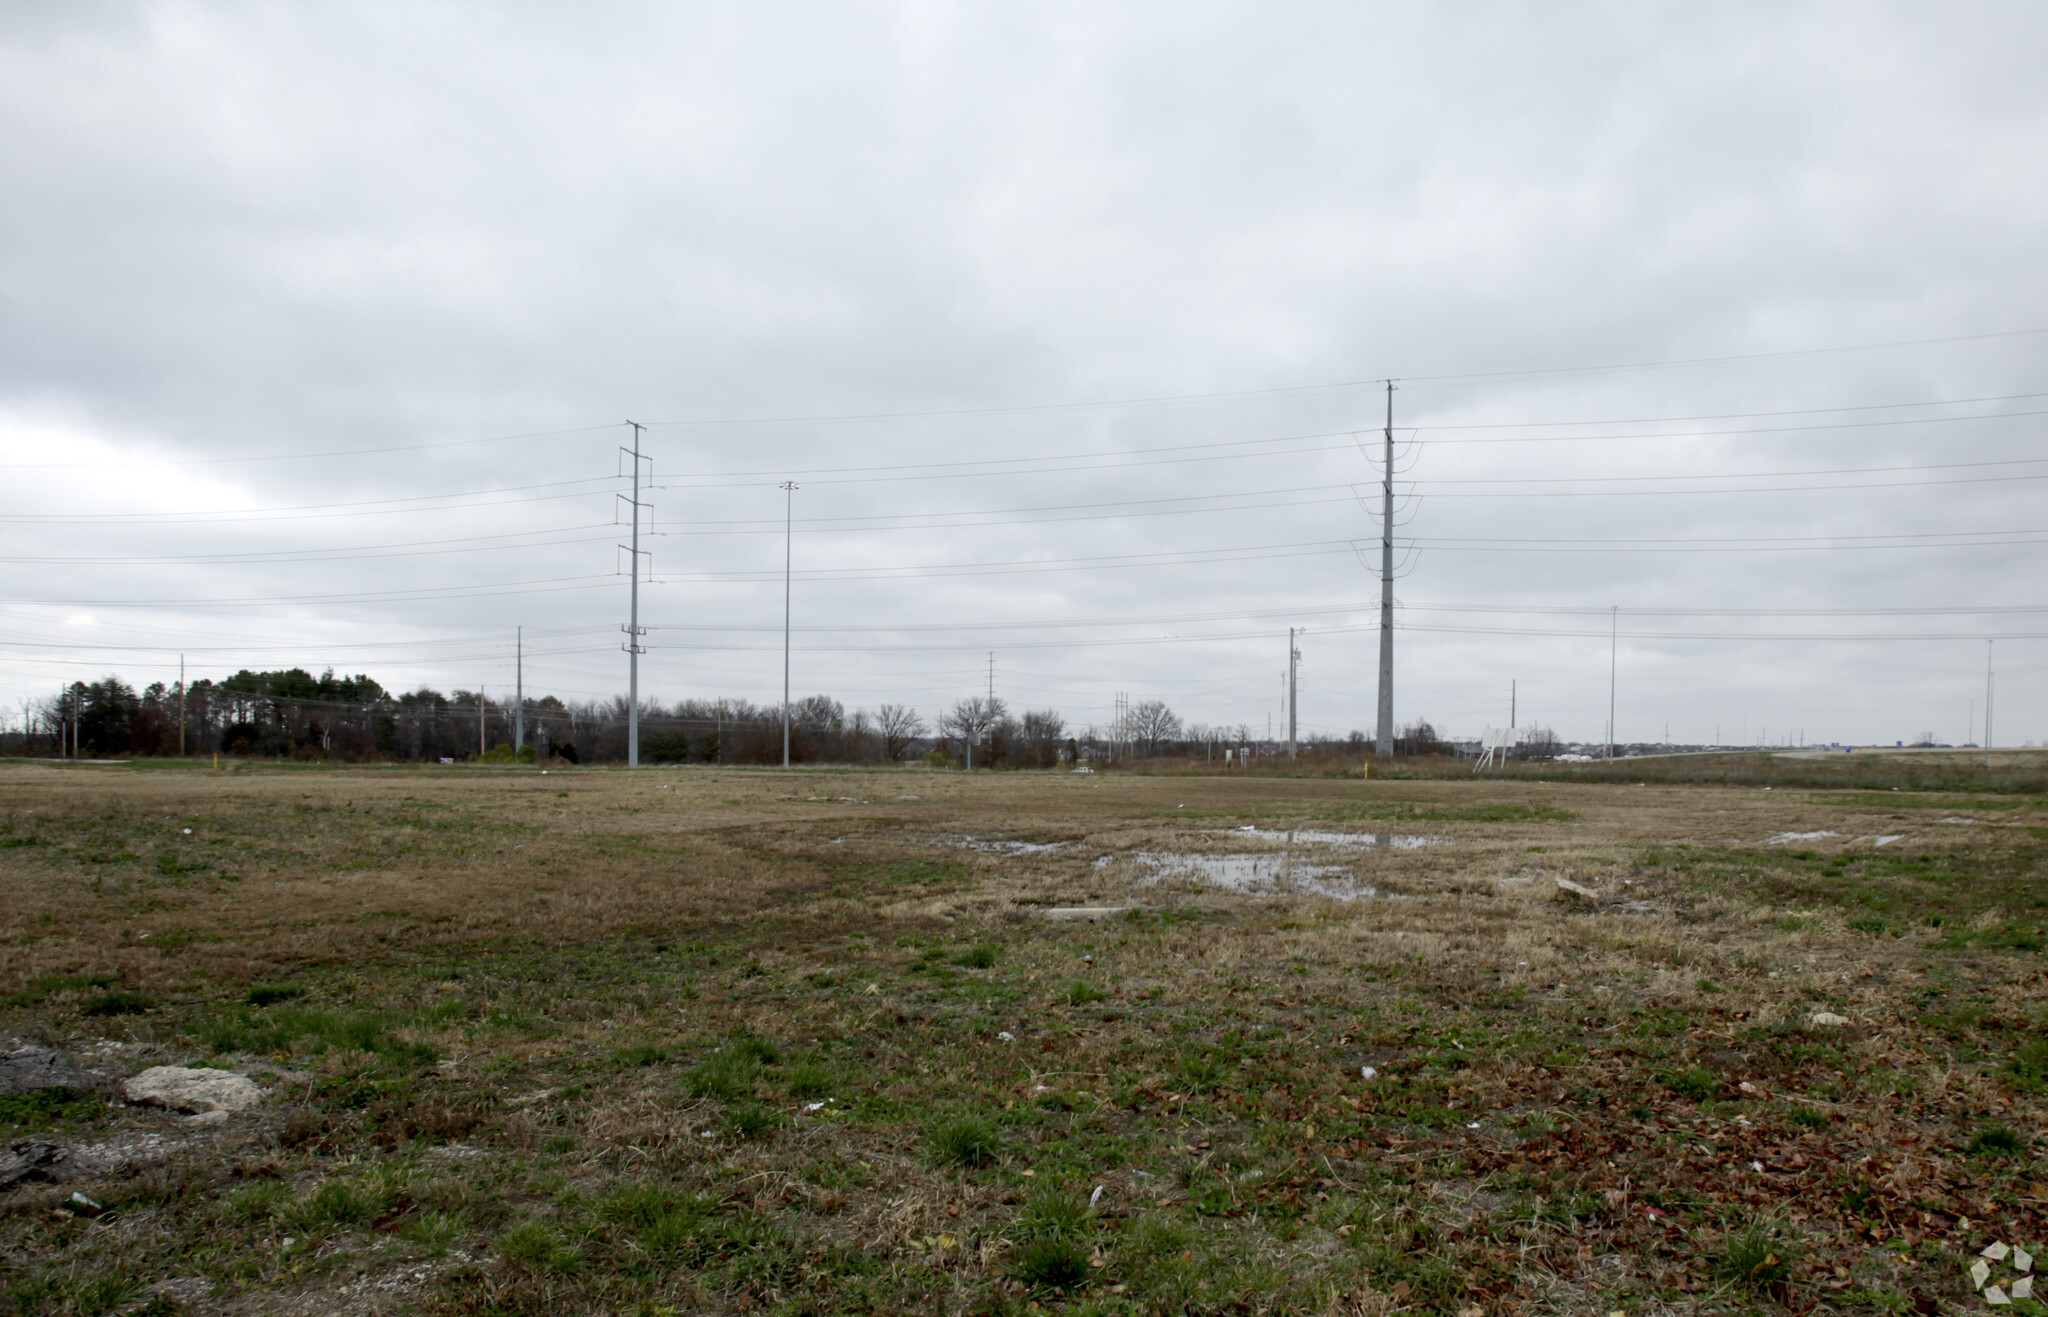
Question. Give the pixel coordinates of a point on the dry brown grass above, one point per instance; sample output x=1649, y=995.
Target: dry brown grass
x=828, y=911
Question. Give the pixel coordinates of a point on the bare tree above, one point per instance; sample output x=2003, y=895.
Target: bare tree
x=969, y=720
x=899, y=725
x=1152, y=722
x=1038, y=740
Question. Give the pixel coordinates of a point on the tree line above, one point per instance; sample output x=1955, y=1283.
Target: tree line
x=292, y=714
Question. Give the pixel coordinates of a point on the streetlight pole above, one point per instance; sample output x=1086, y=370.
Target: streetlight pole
x=1613, y=645
x=788, y=504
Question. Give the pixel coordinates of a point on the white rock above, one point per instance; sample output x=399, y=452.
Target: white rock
x=1827, y=1020
x=1566, y=886
x=192, y=1090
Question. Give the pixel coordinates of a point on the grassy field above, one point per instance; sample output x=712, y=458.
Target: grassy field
x=831, y=1042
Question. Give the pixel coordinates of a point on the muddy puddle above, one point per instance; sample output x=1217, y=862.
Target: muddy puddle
x=1296, y=861
x=1377, y=841
x=1269, y=874
x=1000, y=847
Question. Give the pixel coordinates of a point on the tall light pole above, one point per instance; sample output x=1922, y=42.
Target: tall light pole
x=788, y=505
x=1613, y=644
x=1385, y=742
x=518, y=691
x=1987, y=702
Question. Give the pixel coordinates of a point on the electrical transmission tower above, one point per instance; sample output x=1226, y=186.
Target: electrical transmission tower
x=633, y=629
x=1384, y=742
x=1293, y=664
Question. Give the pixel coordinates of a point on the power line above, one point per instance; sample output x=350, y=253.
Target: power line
x=411, y=549
x=127, y=465
x=366, y=507
x=1342, y=386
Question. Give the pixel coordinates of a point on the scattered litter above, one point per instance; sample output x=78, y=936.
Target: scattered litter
x=1827, y=1020
x=1996, y=1251
x=1784, y=838
x=1888, y=839
x=1367, y=1072
x=2021, y=1259
x=1006, y=1036
x=1472, y=1125
x=1084, y=769
x=188, y=832
x=1758, y=1167
x=1567, y=887
x=1095, y=1197
x=816, y=1106
x=1958, y=819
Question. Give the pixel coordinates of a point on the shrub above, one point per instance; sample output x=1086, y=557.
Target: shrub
x=270, y=994
x=969, y=1141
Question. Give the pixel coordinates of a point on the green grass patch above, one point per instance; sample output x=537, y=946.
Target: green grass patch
x=969, y=1141
x=42, y=1108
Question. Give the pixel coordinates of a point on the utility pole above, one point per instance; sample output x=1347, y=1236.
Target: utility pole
x=518, y=690
x=1293, y=661
x=1385, y=743
x=480, y=748
x=634, y=649
x=1511, y=704
x=181, y=706
x=1987, y=703
x=788, y=504
x=1613, y=644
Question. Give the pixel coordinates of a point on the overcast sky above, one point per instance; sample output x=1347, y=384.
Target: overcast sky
x=319, y=323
